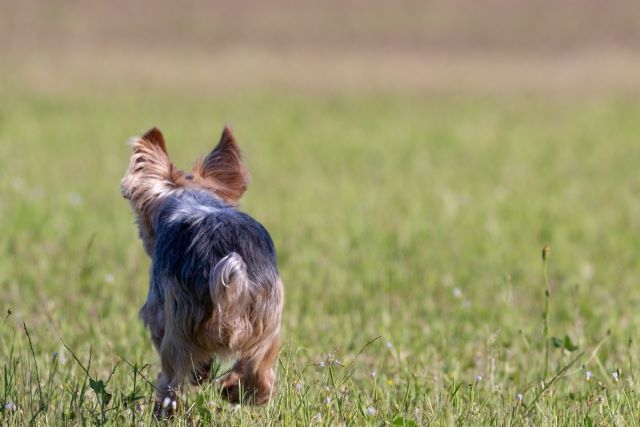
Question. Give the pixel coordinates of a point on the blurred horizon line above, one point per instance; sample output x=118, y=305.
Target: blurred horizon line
x=496, y=46
x=588, y=71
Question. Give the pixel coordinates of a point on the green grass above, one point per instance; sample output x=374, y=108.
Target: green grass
x=409, y=231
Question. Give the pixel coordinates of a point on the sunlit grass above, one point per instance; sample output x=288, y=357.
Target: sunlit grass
x=409, y=231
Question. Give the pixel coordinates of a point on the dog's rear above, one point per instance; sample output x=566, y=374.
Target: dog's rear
x=215, y=287
x=214, y=271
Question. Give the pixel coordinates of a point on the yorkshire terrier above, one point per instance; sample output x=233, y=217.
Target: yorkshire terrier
x=214, y=287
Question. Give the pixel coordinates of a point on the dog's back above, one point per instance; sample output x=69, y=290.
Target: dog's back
x=194, y=231
x=218, y=266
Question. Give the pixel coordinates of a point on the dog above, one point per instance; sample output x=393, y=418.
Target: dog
x=214, y=285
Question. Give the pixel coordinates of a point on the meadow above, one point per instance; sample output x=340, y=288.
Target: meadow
x=409, y=231
x=409, y=200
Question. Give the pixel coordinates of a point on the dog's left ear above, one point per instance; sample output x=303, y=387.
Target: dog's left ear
x=223, y=169
x=155, y=137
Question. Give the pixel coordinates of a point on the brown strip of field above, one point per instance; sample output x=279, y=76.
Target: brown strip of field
x=492, y=46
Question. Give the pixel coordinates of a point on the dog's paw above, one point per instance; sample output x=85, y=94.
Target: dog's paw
x=166, y=409
x=198, y=378
x=201, y=375
x=231, y=393
x=230, y=387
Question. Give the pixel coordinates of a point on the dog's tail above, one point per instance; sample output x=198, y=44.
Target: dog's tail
x=230, y=289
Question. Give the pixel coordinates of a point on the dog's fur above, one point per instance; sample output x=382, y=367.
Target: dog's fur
x=214, y=288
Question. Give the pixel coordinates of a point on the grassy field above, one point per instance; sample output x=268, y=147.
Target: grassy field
x=409, y=191
x=409, y=231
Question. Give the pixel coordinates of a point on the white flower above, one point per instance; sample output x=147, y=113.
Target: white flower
x=519, y=397
x=321, y=364
x=615, y=376
x=332, y=360
x=373, y=374
x=478, y=378
x=457, y=292
x=586, y=271
x=10, y=406
x=389, y=345
x=327, y=400
x=74, y=199
x=36, y=194
x=17, y=184
x=371, y=411
x=109, y=278
x=588, y=374
x=299, y=386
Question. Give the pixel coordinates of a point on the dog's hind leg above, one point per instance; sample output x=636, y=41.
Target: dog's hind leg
x=252, y=378
x=178, y=354
x=232, y=383
x=178, y=358
x=261, y=375
x=174, y=366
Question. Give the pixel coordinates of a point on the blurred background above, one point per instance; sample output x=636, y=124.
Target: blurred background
x=409, y=158
x=456, y=45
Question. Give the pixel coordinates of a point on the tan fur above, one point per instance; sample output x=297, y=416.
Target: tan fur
x=150, y=176
x=245, y=321
x=222, y=170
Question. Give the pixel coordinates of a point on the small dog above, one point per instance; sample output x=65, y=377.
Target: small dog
x=215, y=287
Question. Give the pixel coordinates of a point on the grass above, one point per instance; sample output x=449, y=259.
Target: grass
x=409, y=231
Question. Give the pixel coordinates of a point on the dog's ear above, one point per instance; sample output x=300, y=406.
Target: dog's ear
x=154, y=137
x=223, y=170
x=150, y=169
